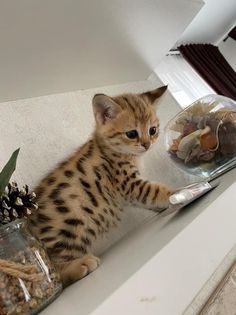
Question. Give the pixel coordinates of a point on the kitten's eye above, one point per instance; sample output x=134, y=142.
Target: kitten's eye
x=152, y=131
x=132, y=134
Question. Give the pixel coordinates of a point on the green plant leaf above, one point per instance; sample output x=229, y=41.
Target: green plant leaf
x=7, y=171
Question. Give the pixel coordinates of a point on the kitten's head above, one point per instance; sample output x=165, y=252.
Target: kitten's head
x=128, y=123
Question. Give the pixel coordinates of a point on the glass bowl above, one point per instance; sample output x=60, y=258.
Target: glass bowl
x=201, y=139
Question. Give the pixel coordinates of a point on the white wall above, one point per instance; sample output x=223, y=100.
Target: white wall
x=211, y=23
x=63, y=45
x=228, y=50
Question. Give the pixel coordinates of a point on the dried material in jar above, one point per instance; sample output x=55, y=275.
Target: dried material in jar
x=18, y=296
x=227, y=139
x=207, y=132
x=208, y=141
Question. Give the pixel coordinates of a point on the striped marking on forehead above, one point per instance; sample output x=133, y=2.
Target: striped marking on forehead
x=136, y=105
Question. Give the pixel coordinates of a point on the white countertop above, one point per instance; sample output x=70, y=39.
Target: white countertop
x=169, y=281
x=160, y=267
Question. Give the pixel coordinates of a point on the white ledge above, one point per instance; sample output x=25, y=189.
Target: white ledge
x=160, y=267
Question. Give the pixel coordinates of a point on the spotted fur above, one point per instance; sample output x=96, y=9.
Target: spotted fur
x=85, y=195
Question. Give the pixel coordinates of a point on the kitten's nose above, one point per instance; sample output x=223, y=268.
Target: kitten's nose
x=146, y=145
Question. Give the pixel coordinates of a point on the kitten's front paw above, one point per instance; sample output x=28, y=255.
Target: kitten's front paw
x=164, y=202
x=89, y=263
x=171, y=191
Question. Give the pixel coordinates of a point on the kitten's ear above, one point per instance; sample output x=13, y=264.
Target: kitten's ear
x=153, y=95
x=104, y=108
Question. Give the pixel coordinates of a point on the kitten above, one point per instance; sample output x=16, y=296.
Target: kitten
x=85, y=196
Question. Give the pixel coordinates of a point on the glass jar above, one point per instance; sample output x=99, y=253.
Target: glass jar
x=201, y=139
x=28, y=280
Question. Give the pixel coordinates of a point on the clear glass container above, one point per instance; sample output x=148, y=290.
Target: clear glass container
x=201, y=139
x=28, y=280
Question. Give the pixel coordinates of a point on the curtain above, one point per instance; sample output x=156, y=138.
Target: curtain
x=208, y=61
x=232, y=33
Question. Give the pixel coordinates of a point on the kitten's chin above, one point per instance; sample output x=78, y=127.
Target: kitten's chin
x=133, y=152
x=140, y=153
x=125, y=151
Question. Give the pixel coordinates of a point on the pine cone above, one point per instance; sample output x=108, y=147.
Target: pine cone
x=16, y=203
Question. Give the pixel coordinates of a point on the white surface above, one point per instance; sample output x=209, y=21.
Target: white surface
x=168, y=282
x=49, y=128
x=64, y=45
x=211, y=23
x=228, y=50
x=198, y=245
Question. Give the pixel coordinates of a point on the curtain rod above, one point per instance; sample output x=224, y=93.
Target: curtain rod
x=173, y=51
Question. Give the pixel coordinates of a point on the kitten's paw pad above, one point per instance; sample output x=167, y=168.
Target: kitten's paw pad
x=90, y=263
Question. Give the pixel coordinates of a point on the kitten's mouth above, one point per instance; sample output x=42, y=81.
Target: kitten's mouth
x=137, y=151
x=143, y=150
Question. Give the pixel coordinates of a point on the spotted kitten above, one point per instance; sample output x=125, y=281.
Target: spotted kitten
x=85, y=196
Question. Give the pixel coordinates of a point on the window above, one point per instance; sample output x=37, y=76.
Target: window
x=183, y=81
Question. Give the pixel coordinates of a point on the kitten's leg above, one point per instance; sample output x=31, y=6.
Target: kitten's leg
x=77, y=269
x=147, y=194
